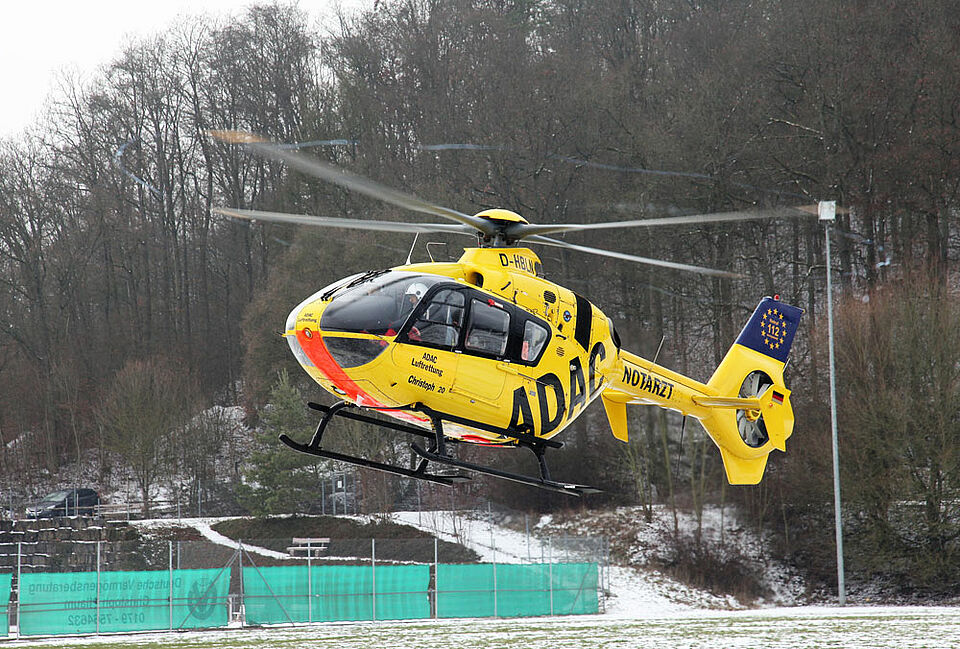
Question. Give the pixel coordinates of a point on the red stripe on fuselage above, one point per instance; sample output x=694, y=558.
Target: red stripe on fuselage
x=314, y=348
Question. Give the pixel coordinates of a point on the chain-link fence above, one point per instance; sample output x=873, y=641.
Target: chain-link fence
x=50, y=587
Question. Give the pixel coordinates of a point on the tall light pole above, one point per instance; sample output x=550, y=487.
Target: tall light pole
x=827, y=211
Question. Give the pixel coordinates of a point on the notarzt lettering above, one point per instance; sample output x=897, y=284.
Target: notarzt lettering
x=647, y=382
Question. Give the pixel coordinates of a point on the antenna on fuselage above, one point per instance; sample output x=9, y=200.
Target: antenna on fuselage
x=410, y=254
x=657, y=355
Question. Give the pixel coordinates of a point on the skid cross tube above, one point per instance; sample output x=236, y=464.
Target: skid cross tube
x=327, y=416
x=339, y=409
x=356, y=416
x=447, y=480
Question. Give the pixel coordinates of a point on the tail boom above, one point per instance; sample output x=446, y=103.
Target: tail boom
x=744, y=407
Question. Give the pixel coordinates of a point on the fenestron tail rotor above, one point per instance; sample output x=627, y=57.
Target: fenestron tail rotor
x=494, y=227
x=753, y=430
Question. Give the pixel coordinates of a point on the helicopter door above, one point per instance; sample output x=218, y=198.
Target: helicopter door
x=426, y=349
x=484, y=346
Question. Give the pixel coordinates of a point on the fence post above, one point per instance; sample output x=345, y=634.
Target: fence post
x=19, y=588
x=98, y=587
x=550, y=542
x=495, y=588
x=309, y=582
x=436, y=578
x=243, y=613
x=170, y=572
x=373, y=575
x=605, y=584
x=494, y=544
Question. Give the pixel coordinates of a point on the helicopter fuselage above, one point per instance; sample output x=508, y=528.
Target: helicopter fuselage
x=503, y=357
x=489, y=343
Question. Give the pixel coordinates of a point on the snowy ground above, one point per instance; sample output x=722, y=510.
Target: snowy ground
x=798, y=628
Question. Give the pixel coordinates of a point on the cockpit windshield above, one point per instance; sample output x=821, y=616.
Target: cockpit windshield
x=379, y=306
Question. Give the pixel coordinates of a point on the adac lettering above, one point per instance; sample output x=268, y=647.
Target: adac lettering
x=522, y=416
x=598, y=353
x=647, y=382
x=551, y=416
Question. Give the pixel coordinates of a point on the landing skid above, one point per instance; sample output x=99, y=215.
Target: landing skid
x=436, y=452
x=549, y=485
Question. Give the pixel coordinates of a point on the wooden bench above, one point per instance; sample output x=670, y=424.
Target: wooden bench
x=308, y=547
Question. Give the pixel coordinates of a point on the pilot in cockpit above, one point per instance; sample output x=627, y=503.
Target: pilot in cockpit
x=412, y=297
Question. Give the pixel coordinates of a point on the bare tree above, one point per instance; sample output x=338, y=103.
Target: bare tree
x=140, y=416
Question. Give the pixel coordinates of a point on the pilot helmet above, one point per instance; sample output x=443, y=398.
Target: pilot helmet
x=417, y=289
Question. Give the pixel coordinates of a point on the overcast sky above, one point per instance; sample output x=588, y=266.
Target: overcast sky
x=40, y=39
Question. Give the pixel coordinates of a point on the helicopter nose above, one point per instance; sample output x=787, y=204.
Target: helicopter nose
x=290, y=333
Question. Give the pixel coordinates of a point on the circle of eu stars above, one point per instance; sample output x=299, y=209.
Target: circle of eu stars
x=770, y=318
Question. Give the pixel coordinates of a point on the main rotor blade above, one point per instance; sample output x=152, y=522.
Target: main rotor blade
x=336, y=222
x=523, y=230
x=712, y=272
x=350, y=180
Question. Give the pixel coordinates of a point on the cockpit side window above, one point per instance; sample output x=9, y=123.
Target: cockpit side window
x=438, y=323
x=487, y=330
x=535, y=337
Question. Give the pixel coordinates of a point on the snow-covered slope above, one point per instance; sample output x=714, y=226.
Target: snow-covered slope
x=630, y=592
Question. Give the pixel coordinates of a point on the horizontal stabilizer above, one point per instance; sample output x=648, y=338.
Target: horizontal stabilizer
x=750, y=403
x=743, y=470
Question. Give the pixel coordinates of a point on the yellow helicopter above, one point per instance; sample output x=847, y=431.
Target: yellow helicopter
x=488, y=351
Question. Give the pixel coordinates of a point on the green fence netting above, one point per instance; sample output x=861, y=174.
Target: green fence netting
x=5, y=582
x=575, y=589
x=282, y=594
x=59, y=603
x=510, y=590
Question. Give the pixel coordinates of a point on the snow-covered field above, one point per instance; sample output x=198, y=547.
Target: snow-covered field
x=799, y=628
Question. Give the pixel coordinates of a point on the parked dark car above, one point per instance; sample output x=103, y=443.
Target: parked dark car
x=68, y=502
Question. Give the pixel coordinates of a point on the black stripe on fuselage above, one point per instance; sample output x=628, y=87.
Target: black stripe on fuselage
x=584, y=321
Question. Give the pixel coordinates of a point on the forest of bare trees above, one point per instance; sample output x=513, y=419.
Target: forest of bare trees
x=112, y=263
